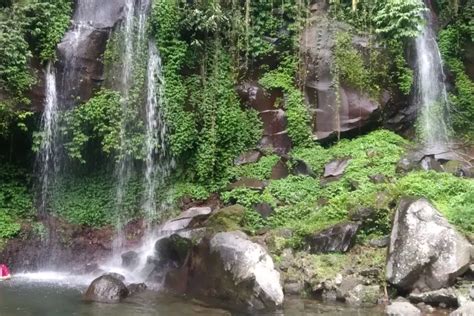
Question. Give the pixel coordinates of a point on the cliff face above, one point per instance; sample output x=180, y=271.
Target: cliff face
x=79, y=65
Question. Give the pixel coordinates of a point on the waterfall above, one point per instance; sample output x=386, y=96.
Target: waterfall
x=133, y=28
x=47, y=158
x=430, y=90
x=158, y=162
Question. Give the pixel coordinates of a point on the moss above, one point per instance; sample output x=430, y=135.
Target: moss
x=226, y=219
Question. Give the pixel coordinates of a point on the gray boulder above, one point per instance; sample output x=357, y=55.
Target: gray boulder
x=106, y=289
x=425, y=251
x=402, y=309
x=228, y=267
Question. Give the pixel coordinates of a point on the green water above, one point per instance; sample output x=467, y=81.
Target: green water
x=24, y=297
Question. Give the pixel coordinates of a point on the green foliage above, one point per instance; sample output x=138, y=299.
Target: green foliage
x=402, y=74
x=29, y=28
x=453, y=196
x=400, y=19
x=10, y=118
x=8, y=226
x=15, y=197
x=89, y=200
x=14, y=55
x=97, y=124
x=46, y=23
x=260, y=170
x=304, y=205
x=462, y=98
x=98, y=120
x=297, y=114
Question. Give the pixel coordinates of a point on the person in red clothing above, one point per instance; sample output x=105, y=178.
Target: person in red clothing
x=4, y=272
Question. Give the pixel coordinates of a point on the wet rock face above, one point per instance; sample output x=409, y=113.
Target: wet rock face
x=80, y=68
x=339, y=238
x=106, y=289
x=355, y=110
x=425, y=251
x=275, y=136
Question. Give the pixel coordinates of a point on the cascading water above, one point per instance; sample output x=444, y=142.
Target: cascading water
x=47, y=159
x=430, y=90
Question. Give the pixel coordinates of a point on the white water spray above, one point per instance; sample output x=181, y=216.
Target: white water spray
x=431, y=97
x=48, y=151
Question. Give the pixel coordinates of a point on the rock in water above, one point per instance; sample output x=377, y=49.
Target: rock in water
x=232, y=268
x=425, y=251
x=402, y=309
x=106, y=289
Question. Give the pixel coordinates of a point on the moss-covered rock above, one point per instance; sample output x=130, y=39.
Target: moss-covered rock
x=226, y=219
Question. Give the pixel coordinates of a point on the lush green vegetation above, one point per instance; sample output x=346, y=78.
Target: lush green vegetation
x=453, y=39
x=16, y=201
x=207, y=48
x=29, y=28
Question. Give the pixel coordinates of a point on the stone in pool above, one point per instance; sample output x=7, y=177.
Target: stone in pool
x=106, y=289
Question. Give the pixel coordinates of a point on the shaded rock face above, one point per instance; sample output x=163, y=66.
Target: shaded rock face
x=333, y=110
x=231, y=269
x=275, y=135
x=425, y=251
x=106, y=289
x=339, y=238
x=80, y=68
x=447, y=297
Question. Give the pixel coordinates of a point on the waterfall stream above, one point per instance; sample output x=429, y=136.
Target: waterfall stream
x=47, y=159
x=430, y=90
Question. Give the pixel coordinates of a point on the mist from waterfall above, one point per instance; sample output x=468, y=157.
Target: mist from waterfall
x=430, y=90
x=47, y=158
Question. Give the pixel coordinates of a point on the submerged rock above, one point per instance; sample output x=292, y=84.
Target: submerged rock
x=106, y=289
x=338, y=238
x=425, y=251
x=402, y=309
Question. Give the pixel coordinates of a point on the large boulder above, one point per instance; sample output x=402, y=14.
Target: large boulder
x=231, y=267
x=425, y=251
x=106, y=289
